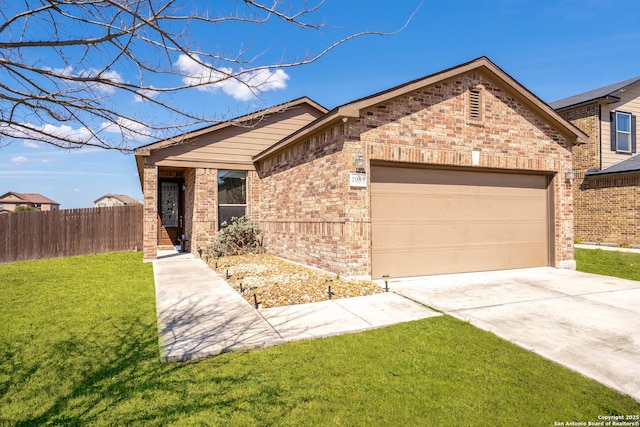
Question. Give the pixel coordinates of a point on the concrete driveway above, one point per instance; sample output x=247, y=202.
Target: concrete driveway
x=588, y=323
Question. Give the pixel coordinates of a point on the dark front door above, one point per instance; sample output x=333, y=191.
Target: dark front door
x=170, y=212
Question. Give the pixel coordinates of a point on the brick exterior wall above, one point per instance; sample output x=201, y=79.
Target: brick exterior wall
x=302, y=201
x=606, y=209
x=150, y=216
x=200, y=207
x=585, y=156
x=311, y=215
x=204, y=215
x=609, y=210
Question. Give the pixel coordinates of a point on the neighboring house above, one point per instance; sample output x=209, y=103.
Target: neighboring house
x=11, y=200
x=607, y=168
x=115, y=200
x=462, y=170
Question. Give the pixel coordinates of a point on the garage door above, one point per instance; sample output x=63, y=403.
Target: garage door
x=430, y=221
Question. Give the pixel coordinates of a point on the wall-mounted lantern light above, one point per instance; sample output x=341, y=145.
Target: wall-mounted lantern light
x=359, y=161
x=569, y=174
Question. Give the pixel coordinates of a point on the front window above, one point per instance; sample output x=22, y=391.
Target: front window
x=232, y=195
x=623, y=132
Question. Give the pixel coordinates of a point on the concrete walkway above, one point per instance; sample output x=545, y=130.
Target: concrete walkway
x=200, y=315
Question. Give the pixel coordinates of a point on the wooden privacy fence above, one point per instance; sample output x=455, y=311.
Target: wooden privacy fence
x=69, y=232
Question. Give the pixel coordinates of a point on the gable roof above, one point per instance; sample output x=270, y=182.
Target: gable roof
x=35, y=198
x=243, y=120
x=352, y=109
x=606, y=94
x=127, y=200
x=230, y=144
x=629, y=166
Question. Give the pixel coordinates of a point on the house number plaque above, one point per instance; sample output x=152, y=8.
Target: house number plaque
x=357, y=179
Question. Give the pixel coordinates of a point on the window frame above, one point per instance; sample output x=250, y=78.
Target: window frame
x=231, y=205
x=619, y=132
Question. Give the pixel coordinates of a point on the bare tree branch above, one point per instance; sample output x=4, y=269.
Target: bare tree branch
x=65, y=65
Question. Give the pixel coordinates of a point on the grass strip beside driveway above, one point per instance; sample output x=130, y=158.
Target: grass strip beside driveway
x=625, y=265
x=79, y=345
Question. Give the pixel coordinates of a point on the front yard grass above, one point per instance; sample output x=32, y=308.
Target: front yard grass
x=625, y=265
x=79, y=346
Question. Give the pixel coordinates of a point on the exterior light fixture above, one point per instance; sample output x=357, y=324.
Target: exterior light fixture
x=359, y=161
x=329, y=293
x=386, y=282
x=569, y=174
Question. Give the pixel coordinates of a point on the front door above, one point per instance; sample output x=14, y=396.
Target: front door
x=170, y=212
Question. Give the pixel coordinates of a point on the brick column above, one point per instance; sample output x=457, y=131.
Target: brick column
x=205, y=210
x=150, y=216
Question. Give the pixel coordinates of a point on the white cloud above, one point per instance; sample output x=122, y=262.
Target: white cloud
x=149, y=93
x=111, y=75
x=245, y=87
x=19, y=160
x=30, y=144
x=128, y=128
x=46, y=161
x=47, y=132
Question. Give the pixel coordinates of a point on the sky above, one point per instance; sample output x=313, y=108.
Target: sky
x=555, y=48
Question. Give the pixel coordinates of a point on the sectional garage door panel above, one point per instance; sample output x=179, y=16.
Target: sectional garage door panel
x=428, y=221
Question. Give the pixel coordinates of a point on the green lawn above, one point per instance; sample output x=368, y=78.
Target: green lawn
x=609, y=263
x=78, y=346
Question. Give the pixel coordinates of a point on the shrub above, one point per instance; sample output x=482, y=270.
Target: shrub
x=239, y=237
x=26, y=208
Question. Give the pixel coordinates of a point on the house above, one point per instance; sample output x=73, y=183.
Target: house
x=11, y=200
x=461, y=170
x=114, y=200
x=607, y=167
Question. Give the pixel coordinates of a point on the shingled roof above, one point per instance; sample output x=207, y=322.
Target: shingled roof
x=604, y=94
x=629, y=166
x=34, y=198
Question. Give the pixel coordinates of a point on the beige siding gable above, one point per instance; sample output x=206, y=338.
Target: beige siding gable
x=233, y=147
x=629, y=103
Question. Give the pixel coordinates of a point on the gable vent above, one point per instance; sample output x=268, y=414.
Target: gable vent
x=475, y=102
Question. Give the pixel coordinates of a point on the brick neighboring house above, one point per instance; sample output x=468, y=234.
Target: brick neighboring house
x=11, y=200
x=607, y=168
x=461, y=170
x=115, y=200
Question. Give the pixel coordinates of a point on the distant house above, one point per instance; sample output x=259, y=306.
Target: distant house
x=115, y=200
x=11, y=200
x=607, y=167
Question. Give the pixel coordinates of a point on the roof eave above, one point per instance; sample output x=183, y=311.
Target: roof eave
x=600, y=174
x=353, y=108
x=147, y=150
x=607, y=99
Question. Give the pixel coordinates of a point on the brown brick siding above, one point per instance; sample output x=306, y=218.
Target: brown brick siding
x=609, y=210
x=606, y=209
x=302, y=201
x=311, y=215
x=150, y=216
x=205, y=212
x=585, y=156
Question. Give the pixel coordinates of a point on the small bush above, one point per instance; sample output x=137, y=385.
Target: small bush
x=239, y=237
x=26, y=208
